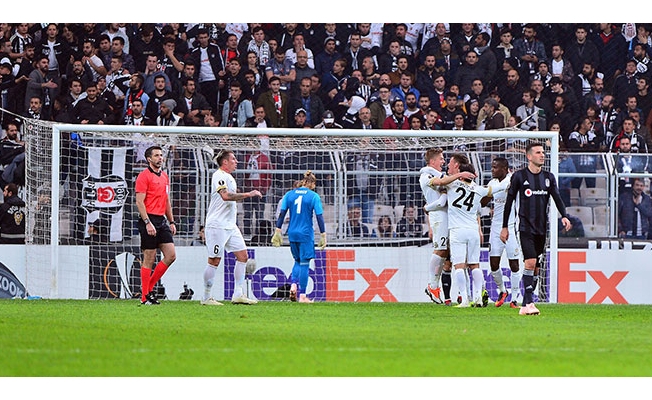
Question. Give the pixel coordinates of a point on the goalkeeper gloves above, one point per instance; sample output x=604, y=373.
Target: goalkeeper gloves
x=322, y=241
x=277, y=239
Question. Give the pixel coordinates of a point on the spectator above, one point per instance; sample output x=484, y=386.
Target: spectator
x=156, y=97
x=12, y=216
x=469, y=72
x=39, y=85
x=58, y=53
x=138, y=118
x=638, y=143
x=209, y=68
x=512, y=92
x=612, y=48
x=534, y=117
x=381, y=108
x=625, y=84
x=409, y=226
x=135, y=92
x=237, y=109
x=627, y=163
x=259, y=120
x=447, y=61
x=117, y=80
x=260, y=47
x=354, y=227
x=92, y=109
x=324, y=60
x=275, y=103
x=258, y=179
x=12, y=157
x=309, y=102
x=581, y=50
x=119, y=48
x=584, y=140
x=363, y=184
x=634, y=212
x=167, y=116
x=384, y=229
x=283, y=68
x=397, y=120
x=486, y=58
x=193, y=107
x=567, y=166
x=200, y=240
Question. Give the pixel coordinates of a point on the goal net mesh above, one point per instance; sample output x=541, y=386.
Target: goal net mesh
x=90, y=177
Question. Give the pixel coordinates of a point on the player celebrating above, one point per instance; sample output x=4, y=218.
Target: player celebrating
x=436, y=207
x=221, y=232
x=154, y=207
x=533, y=186
x=463, y=208
x=301, y=202
x=499, y=184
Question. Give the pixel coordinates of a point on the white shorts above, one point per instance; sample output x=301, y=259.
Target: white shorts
x=496, y=246
x=218, y=240
x=465, y=246
x=439, y=226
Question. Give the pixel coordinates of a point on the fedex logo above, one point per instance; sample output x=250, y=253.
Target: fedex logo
x=328, y=281
x=582, y=282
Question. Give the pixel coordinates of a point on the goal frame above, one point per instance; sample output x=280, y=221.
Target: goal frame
x=57, y=130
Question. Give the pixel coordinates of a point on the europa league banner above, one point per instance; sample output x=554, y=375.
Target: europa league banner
x=10, y=286
x=105, y=189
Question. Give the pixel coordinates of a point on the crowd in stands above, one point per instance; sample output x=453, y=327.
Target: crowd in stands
x=591, y=81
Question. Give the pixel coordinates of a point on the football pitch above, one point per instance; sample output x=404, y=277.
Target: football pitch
x=119, y=338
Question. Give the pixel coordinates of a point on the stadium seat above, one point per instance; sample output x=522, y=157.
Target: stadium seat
x=600, y=215
x=398, y=212
x=329, y=213
x=593, y=231
x=593, y=196
x=585, y=214
x=575, y=197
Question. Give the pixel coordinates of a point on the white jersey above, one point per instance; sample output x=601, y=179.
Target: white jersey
x=431, y=194
x=464, y=204
x=222, y=214
x=499, y=193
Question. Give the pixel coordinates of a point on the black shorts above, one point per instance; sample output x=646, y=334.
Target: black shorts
x=532, y=245
x=163, y=232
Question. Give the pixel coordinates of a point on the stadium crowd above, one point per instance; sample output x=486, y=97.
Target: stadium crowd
x=590, y=81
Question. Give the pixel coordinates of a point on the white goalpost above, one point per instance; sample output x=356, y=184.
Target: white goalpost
x=81, y=240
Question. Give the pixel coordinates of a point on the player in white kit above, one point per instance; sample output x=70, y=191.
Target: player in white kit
x=500, y=184
x=221, y=231
x=463, y=224
x=437, y=214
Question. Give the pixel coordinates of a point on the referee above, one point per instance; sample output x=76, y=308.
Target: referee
x=533, y=187
x=156, y=224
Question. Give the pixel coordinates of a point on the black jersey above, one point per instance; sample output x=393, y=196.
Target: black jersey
x=533, y=192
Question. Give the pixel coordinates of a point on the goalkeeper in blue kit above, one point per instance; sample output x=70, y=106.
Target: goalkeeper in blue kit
x=301, y=203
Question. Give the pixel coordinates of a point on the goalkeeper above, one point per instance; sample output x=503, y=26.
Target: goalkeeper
x=301, y=202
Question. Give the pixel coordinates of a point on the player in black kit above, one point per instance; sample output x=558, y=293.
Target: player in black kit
x=533, y=186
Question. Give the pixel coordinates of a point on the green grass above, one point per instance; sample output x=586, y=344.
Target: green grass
x=119, y=338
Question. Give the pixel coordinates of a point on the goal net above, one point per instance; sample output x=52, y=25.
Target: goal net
x=82, y=240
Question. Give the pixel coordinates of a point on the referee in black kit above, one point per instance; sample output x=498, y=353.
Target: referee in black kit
x=533, y=186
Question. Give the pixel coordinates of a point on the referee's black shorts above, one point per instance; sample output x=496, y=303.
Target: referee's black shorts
x=532, y=246
x=163, y=232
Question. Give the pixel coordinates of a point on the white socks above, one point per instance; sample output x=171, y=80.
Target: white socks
x=239, y=275
x=459, y=276
x=209, y=277
x=478, y=284
x=498, y=278
x=515, y=280
x=436, y=264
